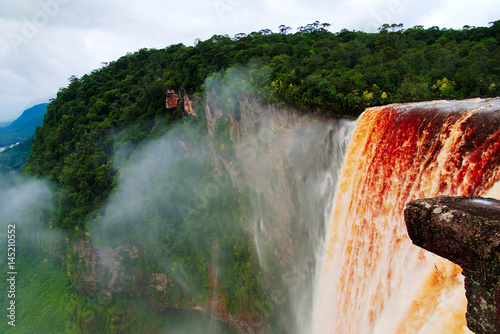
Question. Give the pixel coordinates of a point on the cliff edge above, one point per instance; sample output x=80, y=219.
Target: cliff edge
x=465, y=230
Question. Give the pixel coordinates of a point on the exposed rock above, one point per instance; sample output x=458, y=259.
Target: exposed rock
x=188, y=105
x=85, y=276
x=102, y=272
x=159, y=281
x=172, y=99
x=212, y=112
x=465, y=230
x=277, y=153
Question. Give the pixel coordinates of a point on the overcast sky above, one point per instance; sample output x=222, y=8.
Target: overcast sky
x=44, y=42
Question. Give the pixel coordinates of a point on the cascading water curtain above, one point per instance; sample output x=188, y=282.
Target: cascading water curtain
x=373, y=279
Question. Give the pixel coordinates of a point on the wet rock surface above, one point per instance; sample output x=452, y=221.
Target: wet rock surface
x=466, y=231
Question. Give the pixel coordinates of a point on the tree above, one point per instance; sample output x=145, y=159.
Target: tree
x=445, y=88
x=284, y=29
x=398, y=27
x=325, y=25
x=239, y=36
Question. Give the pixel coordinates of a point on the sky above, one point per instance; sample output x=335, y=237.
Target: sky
x=44, y=42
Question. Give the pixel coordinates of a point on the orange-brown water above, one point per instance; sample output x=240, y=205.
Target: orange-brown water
x=373, y=279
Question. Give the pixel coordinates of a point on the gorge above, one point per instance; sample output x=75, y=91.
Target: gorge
x=253, y=196
x=331, y=244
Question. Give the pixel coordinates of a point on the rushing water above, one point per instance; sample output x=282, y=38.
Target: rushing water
x=4, y=148
x=373, y=279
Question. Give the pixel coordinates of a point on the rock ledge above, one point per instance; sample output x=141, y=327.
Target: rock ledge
x=466, y=231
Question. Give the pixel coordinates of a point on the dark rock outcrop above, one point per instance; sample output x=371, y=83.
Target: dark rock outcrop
x=105, y=271
x=465, y=230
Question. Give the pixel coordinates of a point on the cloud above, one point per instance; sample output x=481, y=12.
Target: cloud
x=42, y=43
x=473, y=13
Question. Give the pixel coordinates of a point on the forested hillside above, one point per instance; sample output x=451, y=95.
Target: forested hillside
x=12, y=160
x=95, y=128
x=338, y=73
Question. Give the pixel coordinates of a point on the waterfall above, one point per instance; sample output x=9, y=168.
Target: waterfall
x=372, y=278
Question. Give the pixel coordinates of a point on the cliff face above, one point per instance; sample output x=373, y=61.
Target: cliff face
x=465, y=230
x=291, y=162
x=282, y=156
x=102, y=272
x=105, y=272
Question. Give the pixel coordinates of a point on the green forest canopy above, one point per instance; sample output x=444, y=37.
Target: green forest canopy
x=338, y=73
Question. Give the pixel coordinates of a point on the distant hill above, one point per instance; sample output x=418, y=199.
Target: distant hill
x=23, y=127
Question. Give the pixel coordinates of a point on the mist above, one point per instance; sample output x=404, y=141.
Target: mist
x=32, y=256
x=230, y=209
x=26, y=203
x=22, y=199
